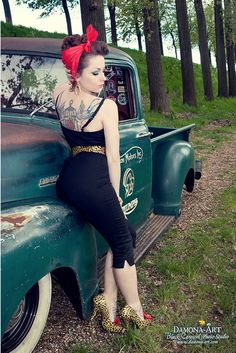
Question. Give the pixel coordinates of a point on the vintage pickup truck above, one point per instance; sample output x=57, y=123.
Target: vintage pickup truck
x=42, y=237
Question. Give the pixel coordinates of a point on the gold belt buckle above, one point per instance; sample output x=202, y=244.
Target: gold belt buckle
x=96, y=149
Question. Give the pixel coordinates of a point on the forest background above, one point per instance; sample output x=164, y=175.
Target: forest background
x=209, y=25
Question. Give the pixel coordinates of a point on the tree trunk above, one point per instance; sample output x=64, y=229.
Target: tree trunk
x=209, y=54
x=92, y=12
x=112, y=12
x=204, y=52
x=68, y=20
x=7, y=11
x=160, y=36
x=137, y=28
x=220, y=50
x=230, y=47
x=188, y=84
x=139, y=36
x=158, y=96
x=234, y=26
x=174, y=44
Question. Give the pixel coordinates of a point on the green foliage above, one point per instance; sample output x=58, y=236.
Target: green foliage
x=48, y=6
x=167, y=12
x=209, y=14
x=167, y=15
x=130, y=11
x=128, y=14
x=9, y=30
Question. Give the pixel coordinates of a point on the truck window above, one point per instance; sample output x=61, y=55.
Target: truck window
x=28, y=81
x=118, y=87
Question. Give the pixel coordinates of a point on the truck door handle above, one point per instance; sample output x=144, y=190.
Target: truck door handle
x=144, y=134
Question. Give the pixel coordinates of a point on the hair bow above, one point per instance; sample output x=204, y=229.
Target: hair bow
x=71, y=56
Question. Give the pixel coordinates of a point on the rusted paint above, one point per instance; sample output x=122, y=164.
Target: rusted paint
x=10, y=222
x=16, y=219
x=25, y=135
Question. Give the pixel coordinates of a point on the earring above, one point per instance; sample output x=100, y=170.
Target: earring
x=77, y=88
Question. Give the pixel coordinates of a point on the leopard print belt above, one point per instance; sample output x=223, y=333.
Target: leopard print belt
x=96, y=149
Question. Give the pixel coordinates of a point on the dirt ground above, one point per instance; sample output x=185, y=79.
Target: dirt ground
x=64, y=328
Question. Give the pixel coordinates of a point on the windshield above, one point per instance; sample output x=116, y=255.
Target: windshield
x=28, y=81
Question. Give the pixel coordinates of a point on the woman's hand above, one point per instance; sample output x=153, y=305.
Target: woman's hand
x=120, y=200
x=121, y=203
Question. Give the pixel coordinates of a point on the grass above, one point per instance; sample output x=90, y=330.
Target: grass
x=190, y=277
x=8, y=30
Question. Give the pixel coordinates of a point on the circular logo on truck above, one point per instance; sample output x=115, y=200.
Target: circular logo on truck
x=128, y=182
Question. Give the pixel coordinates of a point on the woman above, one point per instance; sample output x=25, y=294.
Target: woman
x=90, y=179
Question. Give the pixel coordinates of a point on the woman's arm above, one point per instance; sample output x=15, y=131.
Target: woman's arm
x=112, y=139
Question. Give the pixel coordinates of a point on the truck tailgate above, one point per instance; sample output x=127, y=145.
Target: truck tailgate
x=164, y=134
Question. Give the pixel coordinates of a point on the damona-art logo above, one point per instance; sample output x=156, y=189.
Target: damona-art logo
x=201, y=333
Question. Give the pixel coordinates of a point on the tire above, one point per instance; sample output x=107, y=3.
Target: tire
x=28, y=322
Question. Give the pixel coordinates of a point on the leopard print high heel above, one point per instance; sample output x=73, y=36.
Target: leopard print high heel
x=100, y=306
x=129, y=315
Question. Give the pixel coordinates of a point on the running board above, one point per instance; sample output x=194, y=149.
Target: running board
x=153, y=229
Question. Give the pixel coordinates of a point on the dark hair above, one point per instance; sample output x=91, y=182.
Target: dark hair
x=97, y=48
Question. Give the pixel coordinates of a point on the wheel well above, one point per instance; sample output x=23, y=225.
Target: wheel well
x=67, y=280
x=189, y=180
x=28, y=321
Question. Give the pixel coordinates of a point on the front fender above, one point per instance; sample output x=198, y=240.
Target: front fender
x=38, y=239
x=172, y=161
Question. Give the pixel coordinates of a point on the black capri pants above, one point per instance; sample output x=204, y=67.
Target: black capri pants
x=84, y=182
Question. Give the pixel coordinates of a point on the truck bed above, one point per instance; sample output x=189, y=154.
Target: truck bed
x=147, y=235
x=158, y=134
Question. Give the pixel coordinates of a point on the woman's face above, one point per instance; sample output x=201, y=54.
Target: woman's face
x=92, y=78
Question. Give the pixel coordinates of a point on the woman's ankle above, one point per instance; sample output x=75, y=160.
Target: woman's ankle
x=111, y=297
x=111, y=302
x=137, y=308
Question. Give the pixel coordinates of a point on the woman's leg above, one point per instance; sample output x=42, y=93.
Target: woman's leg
x=110, y=287
x=126, y=279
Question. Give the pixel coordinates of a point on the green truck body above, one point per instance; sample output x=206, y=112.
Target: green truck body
x=43, y=236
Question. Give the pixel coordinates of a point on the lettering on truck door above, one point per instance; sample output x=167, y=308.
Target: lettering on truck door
x=135, y=147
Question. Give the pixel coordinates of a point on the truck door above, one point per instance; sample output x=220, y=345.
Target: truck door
x=135, y=146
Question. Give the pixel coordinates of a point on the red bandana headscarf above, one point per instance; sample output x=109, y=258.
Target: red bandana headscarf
x=71, y=56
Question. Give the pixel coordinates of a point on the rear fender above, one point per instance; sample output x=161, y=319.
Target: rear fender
x=42, y=238
x=173, y=165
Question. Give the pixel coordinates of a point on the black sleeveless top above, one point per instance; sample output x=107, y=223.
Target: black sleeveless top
x=84, y=138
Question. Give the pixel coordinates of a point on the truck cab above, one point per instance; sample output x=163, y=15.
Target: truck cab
x=43, y=237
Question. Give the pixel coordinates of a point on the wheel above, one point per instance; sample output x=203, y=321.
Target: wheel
x=28, y=322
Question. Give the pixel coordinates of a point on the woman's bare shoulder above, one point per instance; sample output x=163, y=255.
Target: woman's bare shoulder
x=60, y=88
x=110, y=112
x=110, y=103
